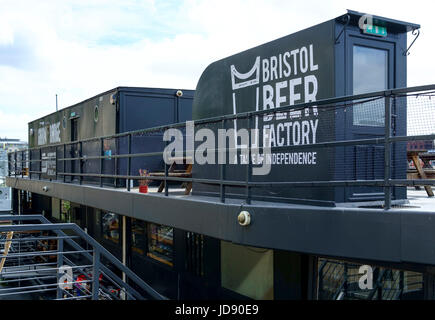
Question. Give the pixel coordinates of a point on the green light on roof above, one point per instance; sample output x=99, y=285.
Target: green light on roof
x=376, y=30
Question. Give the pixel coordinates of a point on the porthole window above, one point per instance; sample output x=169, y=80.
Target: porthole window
x=96, y=114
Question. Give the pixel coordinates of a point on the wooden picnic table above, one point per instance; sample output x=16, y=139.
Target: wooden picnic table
x=422, y=172
x=185, y=172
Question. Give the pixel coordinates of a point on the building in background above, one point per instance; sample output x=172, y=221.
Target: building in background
x=7, y=145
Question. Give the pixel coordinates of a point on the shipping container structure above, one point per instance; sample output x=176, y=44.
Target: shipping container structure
x=116, y=111
x=333, y=59
x=240, y=235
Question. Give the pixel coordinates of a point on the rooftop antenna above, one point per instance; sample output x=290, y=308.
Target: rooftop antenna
x=56, y=101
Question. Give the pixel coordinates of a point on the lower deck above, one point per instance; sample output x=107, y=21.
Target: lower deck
x=183, y=264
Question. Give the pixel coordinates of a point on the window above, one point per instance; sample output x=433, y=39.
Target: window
x=138, y=236
x=370, y=73
x=152, y=240
x=195, y=253
x=386, y=284
x=74, y=129
x=160, y=243
x=65, y=211
x=111, y=226
x=55, y=208
x=96, y=114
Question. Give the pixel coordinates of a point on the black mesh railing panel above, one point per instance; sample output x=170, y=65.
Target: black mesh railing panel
x=335, y=150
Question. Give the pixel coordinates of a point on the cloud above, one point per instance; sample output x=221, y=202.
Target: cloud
x=14, y=125
x=18, y=53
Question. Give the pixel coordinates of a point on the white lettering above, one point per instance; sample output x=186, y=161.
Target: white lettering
x=303, y=60
x=294, y=96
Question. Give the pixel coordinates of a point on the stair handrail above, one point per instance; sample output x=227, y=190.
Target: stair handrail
x=46, y=224
x=377, y=284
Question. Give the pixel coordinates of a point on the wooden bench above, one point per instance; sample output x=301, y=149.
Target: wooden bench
x=184, y=172
x=420, y=172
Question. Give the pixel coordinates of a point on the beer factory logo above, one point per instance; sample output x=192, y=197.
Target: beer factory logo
x=284, y=79
x=281, y=80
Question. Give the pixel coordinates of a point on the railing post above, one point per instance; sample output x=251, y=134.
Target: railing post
x=64, y=162
x=55, y=166
x=129, y=161
x=222, y=169
x=59, y=265
x=116, y=162
x=380, y=290
x=30, y=164
x=346, y=278
x=101, y=161
x=80, y=162
x=166, y=174
x=22, y=165
x=125, y=248
x=40, y=163
x=401, y=283
x=387, y=153
x=9, y=164
x=96, y=273
x=320, y=285
x=248, y=164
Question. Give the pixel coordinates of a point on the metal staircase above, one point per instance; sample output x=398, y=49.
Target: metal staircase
x=44, y=260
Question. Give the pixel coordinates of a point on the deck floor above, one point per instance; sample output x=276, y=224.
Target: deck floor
x=418, y=199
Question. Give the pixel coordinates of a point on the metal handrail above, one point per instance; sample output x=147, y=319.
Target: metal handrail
x=387, y=182
x=299, y=106
x=46, y=225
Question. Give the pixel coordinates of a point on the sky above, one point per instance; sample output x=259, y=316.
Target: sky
x=77, y=49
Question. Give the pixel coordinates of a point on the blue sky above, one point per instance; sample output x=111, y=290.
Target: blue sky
x=77, y=49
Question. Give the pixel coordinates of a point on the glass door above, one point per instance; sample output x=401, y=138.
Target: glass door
x=370, y=74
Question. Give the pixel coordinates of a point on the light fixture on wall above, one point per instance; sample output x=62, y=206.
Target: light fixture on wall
x=244, y=218
x=113, y=98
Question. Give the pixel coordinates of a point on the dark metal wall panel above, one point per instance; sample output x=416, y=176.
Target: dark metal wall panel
x=358, y=233
x=229, y=85
x=142, y=108
x=184, y=109
x=57, y=126
x=221, y=91
x=418, y=237
x=139, y=108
